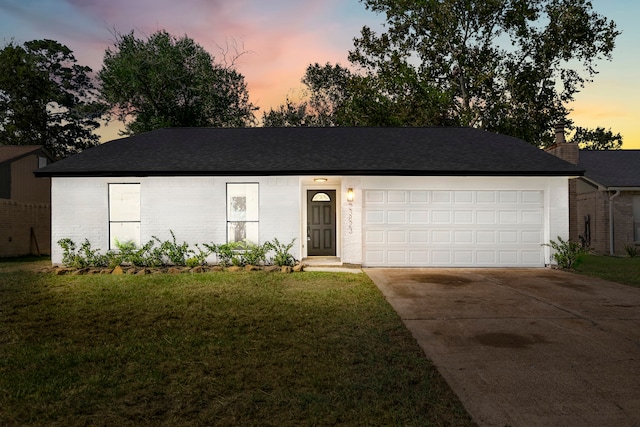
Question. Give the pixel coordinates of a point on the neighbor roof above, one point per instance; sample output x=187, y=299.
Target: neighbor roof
x=612, y=168
x=12, y=152
x=310, y=151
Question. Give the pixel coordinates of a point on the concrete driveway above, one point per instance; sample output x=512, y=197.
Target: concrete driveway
x=526, y=347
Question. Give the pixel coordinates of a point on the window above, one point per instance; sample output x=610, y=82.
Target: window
x=636, y=218
x=321, y=197
x=124, y=214
x=242, y=212
x=42, y=162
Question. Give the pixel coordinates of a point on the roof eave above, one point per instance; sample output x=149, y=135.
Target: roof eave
x=95, y=174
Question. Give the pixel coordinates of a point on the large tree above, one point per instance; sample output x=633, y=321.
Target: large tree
x=509, y=66
x=164, y=81
x=46, y=98
x=597, y=139
x=336, y=96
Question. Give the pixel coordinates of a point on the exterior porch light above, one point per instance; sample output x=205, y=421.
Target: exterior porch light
x=350, y=194
x=320, y=180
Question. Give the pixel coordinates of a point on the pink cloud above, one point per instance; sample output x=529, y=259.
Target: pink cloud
x=281, y=38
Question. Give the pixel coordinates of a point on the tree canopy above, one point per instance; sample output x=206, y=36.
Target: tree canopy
x=597, y=139
x=507, y=66
x=46, y=98
x=164, y=81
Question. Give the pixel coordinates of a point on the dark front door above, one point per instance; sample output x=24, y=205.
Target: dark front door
x=321, y=222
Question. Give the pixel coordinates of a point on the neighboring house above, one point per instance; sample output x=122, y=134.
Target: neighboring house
x=25, y=201
x=370, y=196
x=604, y=202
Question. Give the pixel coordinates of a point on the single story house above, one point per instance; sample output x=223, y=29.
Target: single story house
x=608, y=200
x=604, y=203
x=369, y=196
x=25, y=201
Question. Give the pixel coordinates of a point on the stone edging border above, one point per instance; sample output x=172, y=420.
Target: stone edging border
x=141, y=271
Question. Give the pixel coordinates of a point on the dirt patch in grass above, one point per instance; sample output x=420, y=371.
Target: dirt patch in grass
x=211, y=349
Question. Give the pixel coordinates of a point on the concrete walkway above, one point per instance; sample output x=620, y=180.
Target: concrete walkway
x=526, y=347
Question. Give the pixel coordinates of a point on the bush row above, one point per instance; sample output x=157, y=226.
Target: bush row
x=158, y=253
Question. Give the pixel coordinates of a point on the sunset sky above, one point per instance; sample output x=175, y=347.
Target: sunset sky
x=282, y=37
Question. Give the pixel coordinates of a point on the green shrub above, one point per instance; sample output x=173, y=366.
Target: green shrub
x=253, y=254
x=69, y=256
x=225, y=253
x=567, y=254
x=282, y=256
x=199, y=257
x=128, y=253
x=632, y=250
x=84, y=257
x=176, y=254
x=92, y=257
x=169, y=252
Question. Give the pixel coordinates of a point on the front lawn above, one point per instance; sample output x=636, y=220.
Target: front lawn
x=622, y=270
x=211, y=349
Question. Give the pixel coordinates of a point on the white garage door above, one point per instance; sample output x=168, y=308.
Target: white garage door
x=453, y=228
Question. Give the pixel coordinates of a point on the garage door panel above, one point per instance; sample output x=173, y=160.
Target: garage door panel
x=418, y=257
x=419, y=217
x=507, y=236
x=453, y=228
x=463, y=197
x=441, y=257
x=508, y=257
x=486, y=237
x=374, y=236
x=397, y=257
x=464, y=257
x=374, y=216
x=532, y=197
x=532, y=258
x=396, y=237
x=508, y=197
x=508, y=217
x=418, y=237
x=418, y=197
x=441, y=217
x=440, y=236
x=485, y=197
x=441, y=197
x=486, y=258
x=462, y=237
x=396, y=217
x=531, y=237
x=463, y=217
x=397, y=197
x=532, y=217
x=486, y=217
x=373, y=197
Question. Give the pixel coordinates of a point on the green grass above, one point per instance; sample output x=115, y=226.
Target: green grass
x=616, y=269
x=211, y=349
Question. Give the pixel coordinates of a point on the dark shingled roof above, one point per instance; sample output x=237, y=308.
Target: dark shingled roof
x=612, y=168
x=310, y=151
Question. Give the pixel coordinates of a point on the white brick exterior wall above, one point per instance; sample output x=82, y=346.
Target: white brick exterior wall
x=195, y=207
